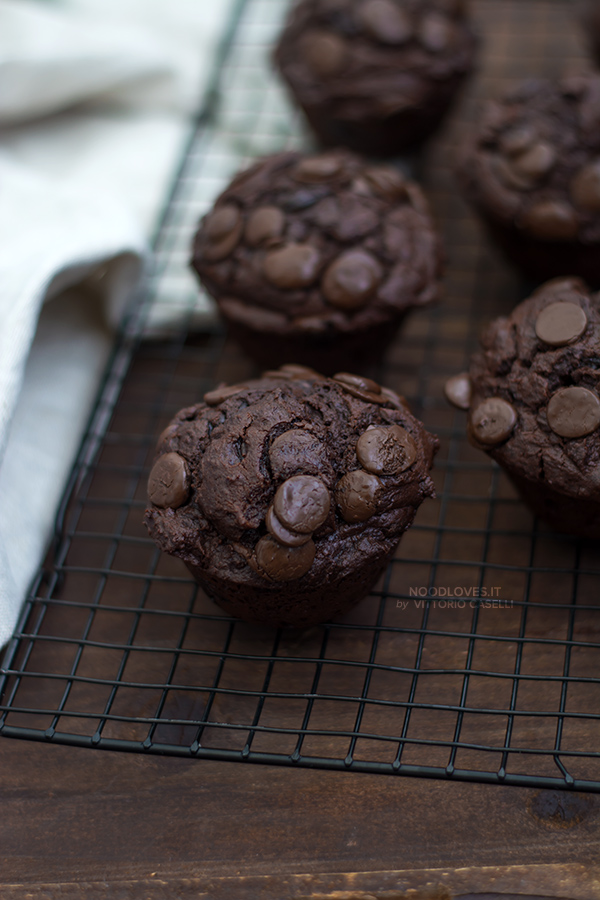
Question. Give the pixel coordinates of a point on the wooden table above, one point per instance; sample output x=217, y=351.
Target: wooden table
x=82, y=823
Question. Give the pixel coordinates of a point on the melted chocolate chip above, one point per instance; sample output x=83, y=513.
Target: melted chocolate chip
x=386, y=450
x=324, y=52
x=504, y=169
x=458, y=390
x=351, y=279
x=394, y=399
x=573, y=412
x=282, y=534
x=281, y=563
x=168, y=484
x=221, y=222
x=356, y=495
x=216, y=397
x=349, y=383
x=296, y=450
x=291, y=267
x=302, y=372
x=536, y=161
x=222, y=230
x=384, y=21
x=302, y=503
x=560, y=323
x=436, y=32
x=386, y=181
x=357, y=381
x=264, y=224
x=550, y=220
x=316, y=169
x=493, y=421
x=585, y=187
x=518, y=139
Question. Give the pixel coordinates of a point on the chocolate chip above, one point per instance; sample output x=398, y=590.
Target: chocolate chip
x=536, y=161
x=305, y=198
x=493, y=421
x=221, y=222
x=505, y=171
x=324, y=52
x=293, y=266
x=458, y=390
x=216, y=397
x=168, y=484
x=356, y=495
x=351, y=279
x=315, y=169
x=264, y=224
x=302, y=503
x=301, y=371
x=384, y=21
x=518, y=139
x=296, y=450
x=167, y=433
x=560, y=323
x=352, y=385
x=585, y=187
x=550, y=220
x=573, y=412
x=222, y=230
x=358, y=381
x=281, y=563
x=386, y=181
x=436, y=32
x=282, y=534
x=386, y=450
x=394, y=399
x=277, y=373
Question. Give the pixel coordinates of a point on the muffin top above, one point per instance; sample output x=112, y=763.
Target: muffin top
x=310, y=244
x=292, y=476
x=535, y=159
x=373, y=58
x=532, y=391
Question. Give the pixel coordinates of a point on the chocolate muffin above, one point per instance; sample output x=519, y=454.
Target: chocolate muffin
x=590, y=20
x=532, y=171
x=318, y=258
x=532, y=394
x=287, y=495
x=377, y=76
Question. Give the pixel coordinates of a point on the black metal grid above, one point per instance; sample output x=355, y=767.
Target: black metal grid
x=118, y=648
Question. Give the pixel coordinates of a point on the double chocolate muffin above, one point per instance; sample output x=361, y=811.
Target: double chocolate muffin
x=590, y=20
x=532, y=171
x=287, y=495
x=318, y=258
x=532, y=393
x=377, y=76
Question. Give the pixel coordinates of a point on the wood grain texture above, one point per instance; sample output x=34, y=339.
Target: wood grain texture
x=74, y=816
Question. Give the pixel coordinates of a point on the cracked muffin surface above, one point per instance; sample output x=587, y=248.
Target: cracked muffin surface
x=286, y=495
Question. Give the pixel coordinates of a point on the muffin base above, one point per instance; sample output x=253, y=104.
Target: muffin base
x=354, y=351
x=288, y=605
x=570, y=515
x=541, y=260
x=398, y=133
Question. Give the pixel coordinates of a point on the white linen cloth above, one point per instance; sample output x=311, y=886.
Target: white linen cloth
x=95, y=102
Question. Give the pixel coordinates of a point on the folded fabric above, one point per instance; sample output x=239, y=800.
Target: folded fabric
x=95, y=101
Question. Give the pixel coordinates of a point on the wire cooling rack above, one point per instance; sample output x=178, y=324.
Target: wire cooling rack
x=477, y=656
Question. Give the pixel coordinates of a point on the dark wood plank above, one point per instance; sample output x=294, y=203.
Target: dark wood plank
x=71, y=816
